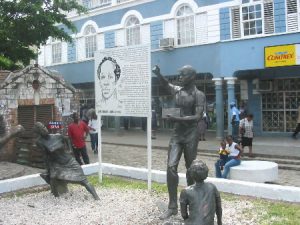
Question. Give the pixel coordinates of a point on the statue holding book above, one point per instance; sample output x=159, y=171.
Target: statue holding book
x=190, y=104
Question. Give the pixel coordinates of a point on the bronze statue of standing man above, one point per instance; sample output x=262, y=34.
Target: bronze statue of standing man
x=184, y=140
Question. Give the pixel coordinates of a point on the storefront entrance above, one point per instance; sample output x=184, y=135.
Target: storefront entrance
x=279, y=107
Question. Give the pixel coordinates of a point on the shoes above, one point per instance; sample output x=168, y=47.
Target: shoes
x=251, y=155
x=167, y=214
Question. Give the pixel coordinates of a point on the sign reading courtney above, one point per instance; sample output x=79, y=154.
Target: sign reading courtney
x=123, y=81
x=282, y=55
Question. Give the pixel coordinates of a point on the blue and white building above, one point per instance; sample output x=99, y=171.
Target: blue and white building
x=225, y=40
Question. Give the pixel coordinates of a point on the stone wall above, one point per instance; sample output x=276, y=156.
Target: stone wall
x=18, y=90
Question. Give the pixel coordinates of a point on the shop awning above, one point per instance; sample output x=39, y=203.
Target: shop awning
x=269, y=73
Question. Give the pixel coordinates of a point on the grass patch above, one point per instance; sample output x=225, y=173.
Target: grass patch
x=126, y=183
x=278, y=213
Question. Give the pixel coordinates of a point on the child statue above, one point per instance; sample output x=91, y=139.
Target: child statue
x=201, y=201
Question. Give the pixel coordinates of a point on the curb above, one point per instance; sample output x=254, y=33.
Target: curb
x=268, y=191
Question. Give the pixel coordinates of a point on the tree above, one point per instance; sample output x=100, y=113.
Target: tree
x=25, y=24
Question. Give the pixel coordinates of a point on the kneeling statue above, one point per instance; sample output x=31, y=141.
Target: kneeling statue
x=61, y=167
x=201, y=201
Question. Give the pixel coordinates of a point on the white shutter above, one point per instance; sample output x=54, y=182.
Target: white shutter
x=145, y=34
x=48, y=55
x=120, y=38
x=100, y=41
x=64, y=52
x=292, y=15
x=80, y=48
x=213, y=26
x=235, y=23
x=41, y=56
x=268, y=17
x=201, y=28
x=169, y=29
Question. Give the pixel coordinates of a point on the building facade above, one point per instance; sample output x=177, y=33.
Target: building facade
x=227, y=41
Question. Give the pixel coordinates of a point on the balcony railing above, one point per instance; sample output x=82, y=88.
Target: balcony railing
x=91, y=4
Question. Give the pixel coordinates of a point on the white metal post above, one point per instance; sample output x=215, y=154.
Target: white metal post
x=149, y=152
x=100, y=149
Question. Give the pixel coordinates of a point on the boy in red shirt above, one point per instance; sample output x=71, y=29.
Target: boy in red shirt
x=77, y=132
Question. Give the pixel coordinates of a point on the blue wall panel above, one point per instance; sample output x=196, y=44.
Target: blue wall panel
x=109, y=39
x=156, y=31
x=210, y=2
x=224, y=24
x=147, y=10
x=249, y=53
x=279, y=16
x=220, y=59
x=203, y=58
x=254, y=107
x=72, y=51
x=76, y=72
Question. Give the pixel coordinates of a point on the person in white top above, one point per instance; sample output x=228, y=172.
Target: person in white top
x=234, y=158
x=246, y=132
x=94, y=126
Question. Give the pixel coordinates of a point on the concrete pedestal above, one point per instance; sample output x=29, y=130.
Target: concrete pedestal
x=255, y=171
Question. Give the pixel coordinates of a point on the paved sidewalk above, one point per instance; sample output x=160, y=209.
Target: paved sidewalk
x=273, y=146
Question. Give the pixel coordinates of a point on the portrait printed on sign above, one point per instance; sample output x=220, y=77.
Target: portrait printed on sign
x=108, y=74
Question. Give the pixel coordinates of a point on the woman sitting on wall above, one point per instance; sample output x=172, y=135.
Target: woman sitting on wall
x=234, y=158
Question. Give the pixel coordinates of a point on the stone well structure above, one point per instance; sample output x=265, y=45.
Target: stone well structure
x=29, y=95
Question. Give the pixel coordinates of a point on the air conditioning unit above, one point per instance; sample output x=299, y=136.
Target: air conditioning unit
x=166, y=43
x=264, y=85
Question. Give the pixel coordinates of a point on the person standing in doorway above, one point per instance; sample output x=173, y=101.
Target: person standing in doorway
x=235, y=121
x=298, y=125
x=94, y=126
x=77, y=132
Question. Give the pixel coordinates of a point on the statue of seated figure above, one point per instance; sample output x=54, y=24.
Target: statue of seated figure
x=201, y=201
x=61, y=167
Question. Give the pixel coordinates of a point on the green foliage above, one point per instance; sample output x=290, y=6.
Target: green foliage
x=28, y=23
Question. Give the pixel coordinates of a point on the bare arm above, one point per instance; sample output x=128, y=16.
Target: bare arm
x=183, y=205
x=162, y=80
x=239, y=148
x=183, y=210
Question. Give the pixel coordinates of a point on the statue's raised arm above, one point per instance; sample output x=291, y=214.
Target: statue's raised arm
x=163, y=81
